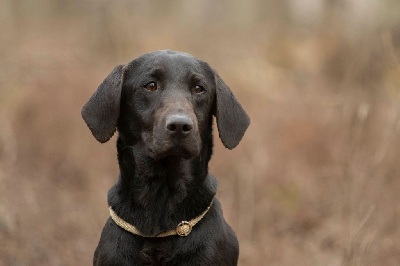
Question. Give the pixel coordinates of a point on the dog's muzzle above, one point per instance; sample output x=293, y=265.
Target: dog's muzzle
x=176, y=133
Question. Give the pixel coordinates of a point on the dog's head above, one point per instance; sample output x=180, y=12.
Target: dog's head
x=165, y=100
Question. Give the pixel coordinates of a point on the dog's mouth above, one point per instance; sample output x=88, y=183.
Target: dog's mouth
x=177, y=151
x=166, y=148
x=160, y=146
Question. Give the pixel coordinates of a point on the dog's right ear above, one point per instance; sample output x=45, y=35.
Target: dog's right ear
x=101, y=112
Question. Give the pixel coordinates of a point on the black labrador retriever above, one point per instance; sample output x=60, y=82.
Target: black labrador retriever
x=163, y=210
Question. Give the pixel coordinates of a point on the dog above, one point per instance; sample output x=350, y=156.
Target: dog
x=163, y=209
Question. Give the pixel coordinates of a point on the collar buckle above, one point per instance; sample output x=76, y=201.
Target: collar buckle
x=184, y=228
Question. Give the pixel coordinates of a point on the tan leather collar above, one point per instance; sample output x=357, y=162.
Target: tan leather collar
x=183, y=228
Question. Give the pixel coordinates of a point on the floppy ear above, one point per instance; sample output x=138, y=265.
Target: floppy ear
x=101, y=112
x=232, y=120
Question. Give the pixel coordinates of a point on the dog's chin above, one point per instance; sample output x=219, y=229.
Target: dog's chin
x=174, y=151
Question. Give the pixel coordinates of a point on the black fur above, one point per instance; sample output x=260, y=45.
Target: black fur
x=164, y=177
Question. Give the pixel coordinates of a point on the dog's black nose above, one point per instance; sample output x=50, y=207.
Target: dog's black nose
x=179, y=125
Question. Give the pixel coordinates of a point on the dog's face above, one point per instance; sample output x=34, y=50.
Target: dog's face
x=165, y=100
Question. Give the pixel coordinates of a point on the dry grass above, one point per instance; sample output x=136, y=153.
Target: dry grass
x=315, y=180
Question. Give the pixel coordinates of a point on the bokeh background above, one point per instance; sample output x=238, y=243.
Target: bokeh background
x=316, y=179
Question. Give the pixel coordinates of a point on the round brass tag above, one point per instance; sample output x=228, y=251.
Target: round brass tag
x=184, y=228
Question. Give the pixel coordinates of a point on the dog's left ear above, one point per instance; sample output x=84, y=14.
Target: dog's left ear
x=101, y=112
x=232, y=119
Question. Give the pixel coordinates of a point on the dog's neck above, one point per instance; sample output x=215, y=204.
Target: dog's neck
x=153, y=195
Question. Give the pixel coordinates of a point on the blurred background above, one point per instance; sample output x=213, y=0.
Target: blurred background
x=315, y=180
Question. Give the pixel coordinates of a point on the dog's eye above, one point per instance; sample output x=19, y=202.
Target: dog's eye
x=151, y=86
x=198, y=89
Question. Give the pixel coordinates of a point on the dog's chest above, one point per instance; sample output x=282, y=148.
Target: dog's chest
x=167, y=252
x=153, y=255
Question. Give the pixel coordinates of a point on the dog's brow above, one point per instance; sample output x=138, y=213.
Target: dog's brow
x=157, y=72
x=195, y=77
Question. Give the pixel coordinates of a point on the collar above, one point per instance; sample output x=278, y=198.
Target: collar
x=183, y=228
